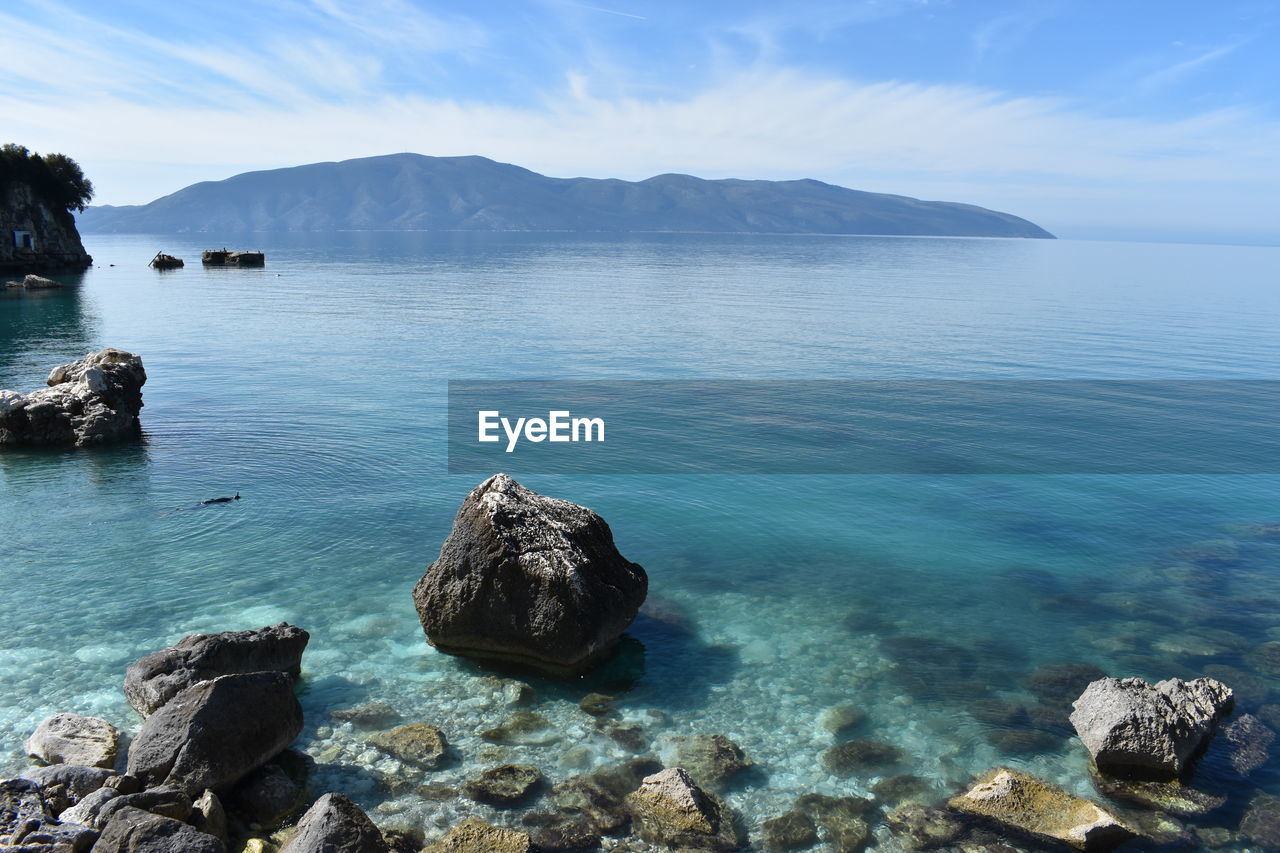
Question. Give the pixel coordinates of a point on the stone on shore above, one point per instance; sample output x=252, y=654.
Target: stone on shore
x=73, y=739
x=668, y=808
x=1019, y=802
x=334, y=824
x=91, y=401
x=528, y=579
x=1139, y=731
x=265, y=797
x=132, y=830
x=213, y=734
x=153, y=680
x=76, y=780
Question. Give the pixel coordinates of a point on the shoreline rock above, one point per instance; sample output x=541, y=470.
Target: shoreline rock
x=92, y=401
x=530, y=580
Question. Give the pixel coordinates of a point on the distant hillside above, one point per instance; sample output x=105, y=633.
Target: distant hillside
x=405, y=192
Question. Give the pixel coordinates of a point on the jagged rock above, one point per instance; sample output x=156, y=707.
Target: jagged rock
x=1261, y=823
x=1020, y=802
x=668, y=808
x=793, y=830
x=528, y=579
x=840, y=720
x=212, y=734
x=334, y=824
x=78, y=781
x=265, y=797
x=371, y=715
x=920, y=827
x=73, y=739
x=420, y=744
x=1249, y=743
x=165, y=801
x=132, y=830
x=844, y=759
x=1136, y=730
x=1171, y=797
x=209, y=816
x=153, y=680
x=475, y=836
x=39, y=282
x=712, y=760
x=504, y=786
x=845, y=821
x=91, y=401
x=523, y=728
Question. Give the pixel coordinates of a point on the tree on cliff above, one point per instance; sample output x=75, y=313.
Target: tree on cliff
x=55, y=178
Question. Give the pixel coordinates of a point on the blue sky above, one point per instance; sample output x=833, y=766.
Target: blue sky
x=1148, y=120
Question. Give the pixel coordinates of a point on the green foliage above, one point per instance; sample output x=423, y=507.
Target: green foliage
x=54, y=177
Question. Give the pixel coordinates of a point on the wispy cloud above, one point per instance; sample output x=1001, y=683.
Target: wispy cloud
x=1171, y=74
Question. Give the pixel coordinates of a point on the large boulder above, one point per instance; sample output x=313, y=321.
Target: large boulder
x=132, y=830
x=73, y=739
x=528, y=579
x=153, y=680
x=336, y=825
x=91, y=401
x=214, y=733
x=668, y=808
x=1136, y=730
x=1021, y=803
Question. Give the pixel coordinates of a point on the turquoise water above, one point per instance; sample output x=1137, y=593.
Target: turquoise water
x=315, y=387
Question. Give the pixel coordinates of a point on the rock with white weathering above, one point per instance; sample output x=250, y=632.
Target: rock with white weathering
x=1018, y=802
x=88, y=402
x=528, y=579
x=336, y=825
x=153, y=680
x=73, y=739
x=216, y=732
x=1136, y=730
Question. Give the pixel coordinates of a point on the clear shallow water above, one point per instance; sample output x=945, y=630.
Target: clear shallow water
x=316, y=389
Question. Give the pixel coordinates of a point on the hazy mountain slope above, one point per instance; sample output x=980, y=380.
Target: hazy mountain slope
x=415, y=192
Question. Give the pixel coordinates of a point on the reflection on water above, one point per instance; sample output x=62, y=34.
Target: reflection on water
x=36, y=325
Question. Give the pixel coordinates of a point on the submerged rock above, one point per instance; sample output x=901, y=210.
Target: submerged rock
x=1059, y=683
x=132, y=830
x=550, y=833
x=523, y=728
x=844, y=821
x=1171, y=797
x=153, y=680
x=1249, y=743
x=504, y=786
x=371, y=715
x=475, y=836
x=1139, y=731
x=840, y=720
x=668, y=808
x=212, y=734
x=73, y=739
x=1261, y=823
x=334, y=824
x=1020, y=802
x=845, y=759
x=712, y=760
x=528, y=579
x=902, y=788
x=919, y=827
x=91, y=401
x=793, y=830
x=420, y=744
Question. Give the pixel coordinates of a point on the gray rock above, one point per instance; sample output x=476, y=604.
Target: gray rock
x=504, y=786
x=213, y=734
x=87, y=810
x=132, y=830
x=1261, y=822
x=668, y=808
x=164, y=800
x=91, y=401
x=153, y=680
x=208, y=816
x=528, y=579
x=265, y=797
x=73, y=739
x=336, y=825
x=1139, y=731
x=39, y=282
x=22, y=806
x=1249, y=743
x=78, y=781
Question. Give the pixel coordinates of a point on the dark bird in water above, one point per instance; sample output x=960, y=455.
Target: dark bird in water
x=221, y=500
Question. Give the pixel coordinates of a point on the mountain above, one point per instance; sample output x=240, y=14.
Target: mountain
x=410, y=192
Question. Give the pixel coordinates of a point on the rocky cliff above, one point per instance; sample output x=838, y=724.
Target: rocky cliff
x=37, y=237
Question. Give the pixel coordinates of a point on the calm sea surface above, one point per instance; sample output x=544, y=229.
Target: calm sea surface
x=316, y=388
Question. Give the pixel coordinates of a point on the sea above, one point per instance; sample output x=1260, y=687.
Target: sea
x=956, y=615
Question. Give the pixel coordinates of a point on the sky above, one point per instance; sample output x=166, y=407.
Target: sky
x=1096, y=119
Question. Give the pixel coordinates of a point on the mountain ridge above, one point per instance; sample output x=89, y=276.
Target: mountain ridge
x=416, y=192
